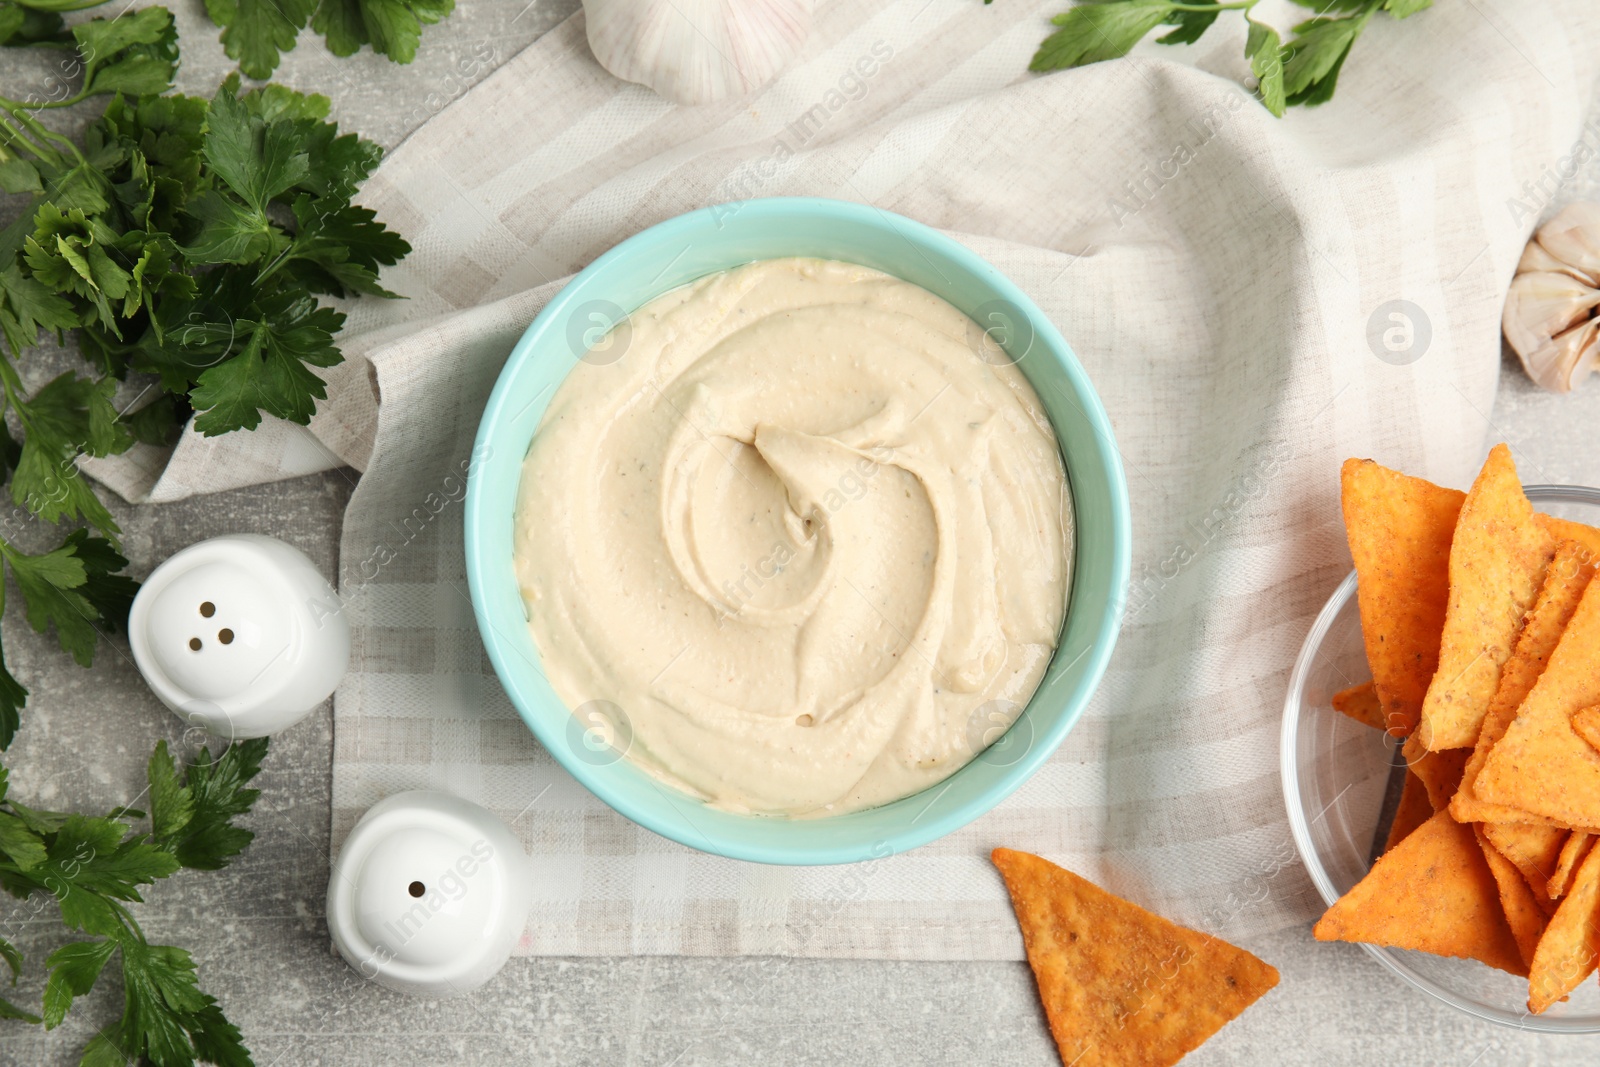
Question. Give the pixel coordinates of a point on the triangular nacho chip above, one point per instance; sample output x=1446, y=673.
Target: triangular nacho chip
x=1567, y=530
x=1498, y=558
x=1565, y=580
x=1433, y=893
x=1361, y=703
x=1123, y=987
x=1573, y=852
x=1541, y=765
x=1414, y=810
x=1570, y=948
x=1586, y=724
x=1400, y=530
x=1524, y=914
x=1532, y=849
x=1440, y=771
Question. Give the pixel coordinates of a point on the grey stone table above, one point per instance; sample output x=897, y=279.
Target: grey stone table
x=257, y=930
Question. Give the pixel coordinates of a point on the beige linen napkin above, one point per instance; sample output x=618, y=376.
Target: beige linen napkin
x=1231, y=282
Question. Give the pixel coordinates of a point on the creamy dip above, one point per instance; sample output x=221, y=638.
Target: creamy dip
x=797, y=537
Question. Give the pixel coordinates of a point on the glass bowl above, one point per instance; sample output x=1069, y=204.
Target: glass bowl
x=1336, y=774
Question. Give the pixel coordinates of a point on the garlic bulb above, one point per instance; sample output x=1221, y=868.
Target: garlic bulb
x=1549, y=318
x=697, y=51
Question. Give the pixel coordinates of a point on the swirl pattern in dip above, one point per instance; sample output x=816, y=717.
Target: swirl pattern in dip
x=806, y=527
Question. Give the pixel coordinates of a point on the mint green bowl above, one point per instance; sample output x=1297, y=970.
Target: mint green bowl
x=712, y=239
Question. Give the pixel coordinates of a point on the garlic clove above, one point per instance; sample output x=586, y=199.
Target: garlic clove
x=1541, y=305
x=1572, y=237
x=1566, y=359
x=697, y=51
x=1535, y=258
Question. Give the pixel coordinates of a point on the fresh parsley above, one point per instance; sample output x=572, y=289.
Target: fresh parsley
x=256, y=33
x=1301, y=72
x=94, y=868
x=183, y=241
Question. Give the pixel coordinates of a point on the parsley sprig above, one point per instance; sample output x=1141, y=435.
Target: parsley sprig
x=94, y=868
x=1301, y=72
x=257, y=32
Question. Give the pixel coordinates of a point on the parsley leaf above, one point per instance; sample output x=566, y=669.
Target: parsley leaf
x=135, y=53
x=256, y=32
x=1190, y=24
x=194, y=820
x=1265, y=52
x=392, y=27
x=1091, y=33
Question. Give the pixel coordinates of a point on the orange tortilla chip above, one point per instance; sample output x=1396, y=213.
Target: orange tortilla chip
x=1541, y=765
x=1400, y=529
x=1524, y=914
x=1533, y=850
x=1361, y=703
x=1414, y=810
x=1440, y=771
x=1433, y=893
x=1573, y=853
x=1566, y=579
x=1570, y=948
x=1123, y=987
x=1586, y=724
x=1498, y=559
x=1567, y=530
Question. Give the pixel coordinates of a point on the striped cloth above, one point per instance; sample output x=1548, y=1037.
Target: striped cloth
x=1228, y=279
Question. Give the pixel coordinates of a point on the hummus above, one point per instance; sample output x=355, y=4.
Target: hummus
x=796, y=537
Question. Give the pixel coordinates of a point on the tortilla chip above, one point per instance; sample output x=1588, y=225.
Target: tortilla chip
x=1414, y=810
x=1440, y=771
x=1541, y=765
x=1570, y=947
x=1361, y=703
x=1573, y=853
x=1567, y=530
x=1524, y=914
x=1498, y=559
x=1568, y=576
x=1586, y=724
x=1123, y=987
x=1399, y=530
x=1533, y=850
x=1433, y=893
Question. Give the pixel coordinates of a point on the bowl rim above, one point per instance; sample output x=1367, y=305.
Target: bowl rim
x=1300, y=826
x=1094, y=658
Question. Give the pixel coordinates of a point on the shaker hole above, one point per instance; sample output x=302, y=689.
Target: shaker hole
x=208, y=609
x=194, y=643
x=804, y=720
x=225, y=635
x=416, y=889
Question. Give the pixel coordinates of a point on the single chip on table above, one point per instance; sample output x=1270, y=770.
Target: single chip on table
x=1121, y=986
x=1570, y=948
x=1434, y=892
x=1400, y=529
x=1524, y=914
x=1573, y=853
x=1586, y=724
x=1361, y=703
x=1498, y=559
x=1566, y=579
x=1533, y=849
x=1414, y=810
x=1541, y=765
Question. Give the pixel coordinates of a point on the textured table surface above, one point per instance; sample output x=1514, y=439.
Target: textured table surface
x=257, y=930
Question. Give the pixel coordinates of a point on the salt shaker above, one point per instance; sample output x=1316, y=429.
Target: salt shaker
x=239, y=634
x=429, y=894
